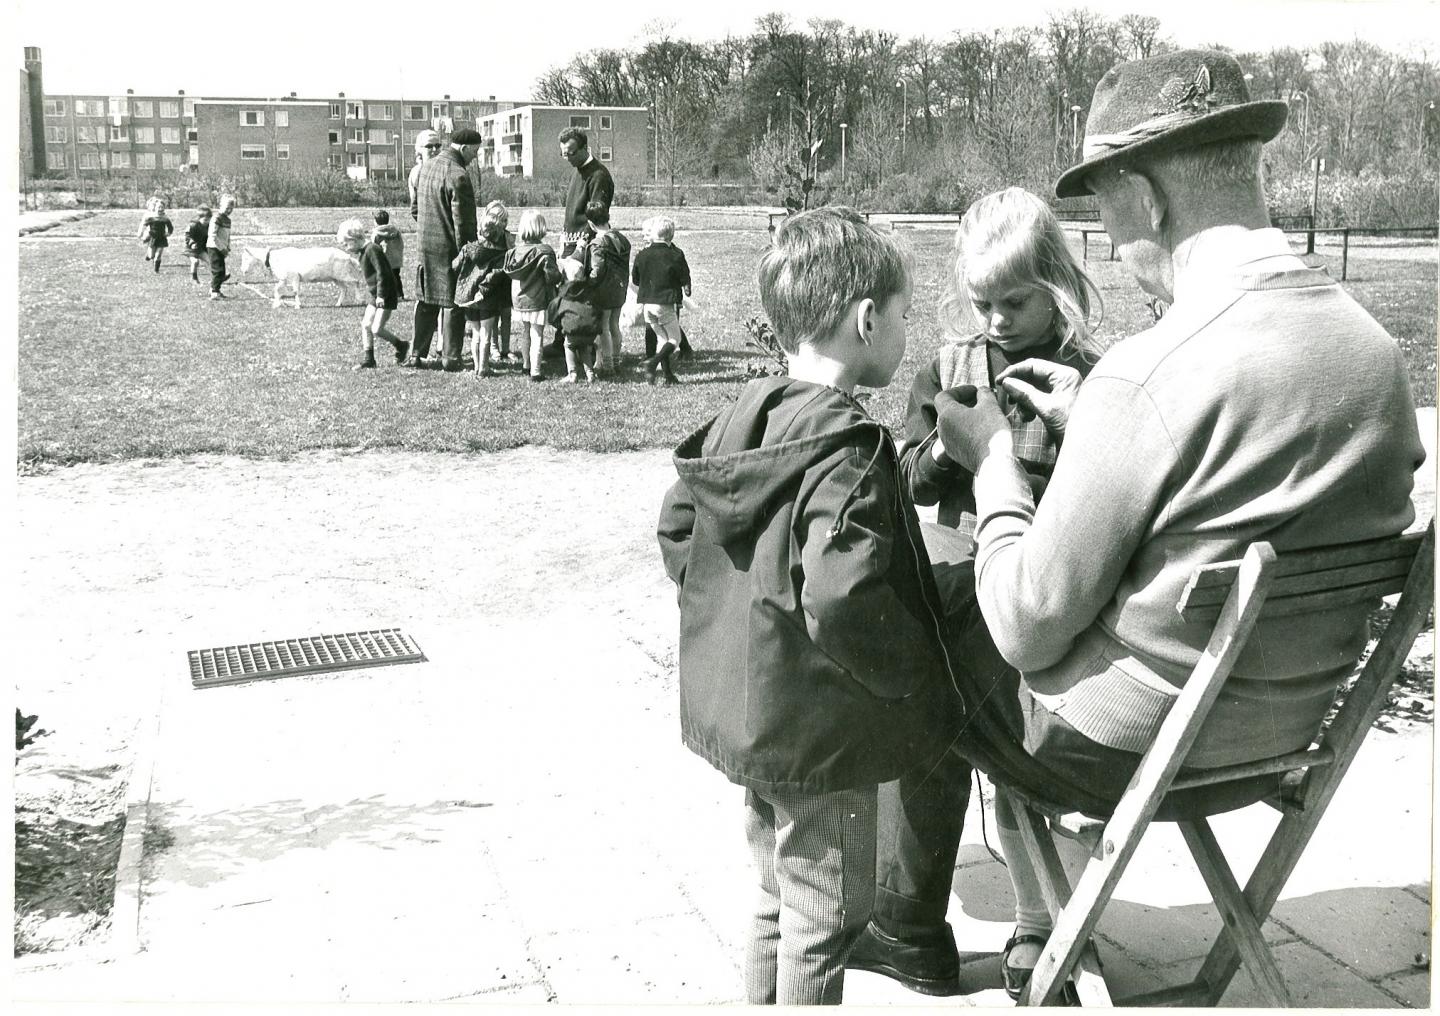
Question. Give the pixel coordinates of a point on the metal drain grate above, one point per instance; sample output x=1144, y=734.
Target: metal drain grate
x=310, y=655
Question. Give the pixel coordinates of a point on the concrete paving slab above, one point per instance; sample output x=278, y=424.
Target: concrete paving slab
x=1398, y=923
x=1413, y=989
x=674, y=959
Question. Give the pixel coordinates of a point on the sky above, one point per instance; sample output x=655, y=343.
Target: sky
x=493, y=47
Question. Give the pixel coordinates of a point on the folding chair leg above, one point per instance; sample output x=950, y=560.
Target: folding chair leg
x=1061, y=959
x=1239, y=919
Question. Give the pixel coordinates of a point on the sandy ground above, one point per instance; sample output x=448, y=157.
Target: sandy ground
x=124, y=568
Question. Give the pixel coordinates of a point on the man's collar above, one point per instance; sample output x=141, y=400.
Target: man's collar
x=1226, y=252
x=588, y=159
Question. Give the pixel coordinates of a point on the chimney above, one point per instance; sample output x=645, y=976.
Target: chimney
x=129, y=91
x=447, y=95
x=182, y=91
x=35, y=94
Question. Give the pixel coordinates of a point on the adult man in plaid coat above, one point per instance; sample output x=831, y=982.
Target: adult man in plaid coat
x=444, y=211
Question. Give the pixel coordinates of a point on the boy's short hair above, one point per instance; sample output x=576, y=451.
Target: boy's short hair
x=532, y=227
x=821, y=262
x=574, y=134
x=661, y=227
x=598, y=213
x=382, y=217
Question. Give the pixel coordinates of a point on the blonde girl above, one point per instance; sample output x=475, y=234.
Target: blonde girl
x=534, y=278
x=1016, y=293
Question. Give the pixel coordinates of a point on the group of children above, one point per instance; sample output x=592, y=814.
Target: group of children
x=816, y=669
x=504, y=280
x=207, y=239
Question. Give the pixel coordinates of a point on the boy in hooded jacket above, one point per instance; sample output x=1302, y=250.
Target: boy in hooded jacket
x=392, y=242
x=812, y=666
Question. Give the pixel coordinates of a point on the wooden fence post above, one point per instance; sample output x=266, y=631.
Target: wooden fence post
x=1344, y=253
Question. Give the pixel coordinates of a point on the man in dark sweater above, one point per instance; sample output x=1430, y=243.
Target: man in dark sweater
x=592, y=182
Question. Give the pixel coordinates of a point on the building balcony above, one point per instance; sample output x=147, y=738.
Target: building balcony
x=512, y=139
x=512, y=170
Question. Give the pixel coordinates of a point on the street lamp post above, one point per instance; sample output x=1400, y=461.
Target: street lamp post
x=1425, y=107
x=904, y=114
x=842, y=151
x=1305, y=123
x=1074, y=132
x=654, y=101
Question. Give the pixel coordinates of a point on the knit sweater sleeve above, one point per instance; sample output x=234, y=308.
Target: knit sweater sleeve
x=1043, y=576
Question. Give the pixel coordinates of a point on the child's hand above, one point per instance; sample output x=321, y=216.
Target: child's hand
x=971, y=425
x=380, y=302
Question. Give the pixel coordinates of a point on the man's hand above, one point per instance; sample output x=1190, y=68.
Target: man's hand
x=971, y=425
x=1044, y=389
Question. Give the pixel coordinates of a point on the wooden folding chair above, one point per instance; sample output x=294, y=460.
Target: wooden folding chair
x=1233, y=595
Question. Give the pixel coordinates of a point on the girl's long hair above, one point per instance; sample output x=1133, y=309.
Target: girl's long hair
x=1013, y=237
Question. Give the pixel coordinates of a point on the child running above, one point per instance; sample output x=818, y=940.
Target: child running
x=481, y=287
x=662, y=280
x=155, y=231
x=1015, y=277
x=811, y=663
x=217, y=244
x=534, y=276
x=195, y=236
x=607, y=261
x=384, y=287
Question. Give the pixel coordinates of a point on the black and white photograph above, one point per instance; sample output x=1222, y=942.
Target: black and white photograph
x=615, y=505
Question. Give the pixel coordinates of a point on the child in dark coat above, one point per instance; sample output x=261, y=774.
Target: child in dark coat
x=482, y=289
x=384, y=287
x=812, y=667
x=155, y=232
x=607, y=266
x=195, y=236
x=573, y=313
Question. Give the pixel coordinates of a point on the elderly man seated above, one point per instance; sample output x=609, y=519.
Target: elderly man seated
x=1265, y=405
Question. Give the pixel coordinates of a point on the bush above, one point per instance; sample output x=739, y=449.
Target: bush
x=1366, y=198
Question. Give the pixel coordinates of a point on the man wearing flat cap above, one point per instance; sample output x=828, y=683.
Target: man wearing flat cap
x=444, y=212
x=1265, y=404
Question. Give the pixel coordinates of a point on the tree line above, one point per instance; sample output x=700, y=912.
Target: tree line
x=793, y=105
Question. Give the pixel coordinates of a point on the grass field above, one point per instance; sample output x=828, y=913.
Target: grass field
x=116, y=362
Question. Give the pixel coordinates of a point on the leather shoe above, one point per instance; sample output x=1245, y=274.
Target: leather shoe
x=929, y=965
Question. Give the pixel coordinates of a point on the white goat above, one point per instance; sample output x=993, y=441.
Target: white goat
x=292, y=265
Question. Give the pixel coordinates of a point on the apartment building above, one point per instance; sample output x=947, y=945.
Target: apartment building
x=363, y=137
x=522, y=141
x=102, y=133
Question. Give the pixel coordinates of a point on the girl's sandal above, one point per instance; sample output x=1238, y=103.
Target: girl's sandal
x=1016, y=978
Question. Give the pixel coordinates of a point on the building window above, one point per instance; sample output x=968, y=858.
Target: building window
x=169, y=135
x=119, y=160
x=55, y=107
x=54, y=160
x=604, y=123
x=169, y=110
x=119, y=133
x=55, y=135
x=252, y=118
x=89, y=107
x=379, y=137
x=119, y=105
x=169, y=160
x=282, y=152
x=334, y=137
x=190, y=108
x=412, y=112
x=194, y=155
x=462, y=112
x=144, y=160
x=144, y=108
x=87, y=160
x=357, y=158
x=583, y=122
x=606, y=155
x=357, y=135
x=335, y=111
x=512, y=125
x=382, y=160
x=144, y=135
x=355, y=110
x=192, y=134
x=87, y=134
x=252, y=151
x=439, y=109
x=282, y=118
x=336, y=161
x=382, y=111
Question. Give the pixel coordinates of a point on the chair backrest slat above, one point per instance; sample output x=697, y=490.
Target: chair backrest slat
x=1313, y=580
x=1313, y=559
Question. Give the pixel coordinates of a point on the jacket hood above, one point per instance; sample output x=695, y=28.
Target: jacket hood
x=746, y=460
x=526, y=254
x=387, y=231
